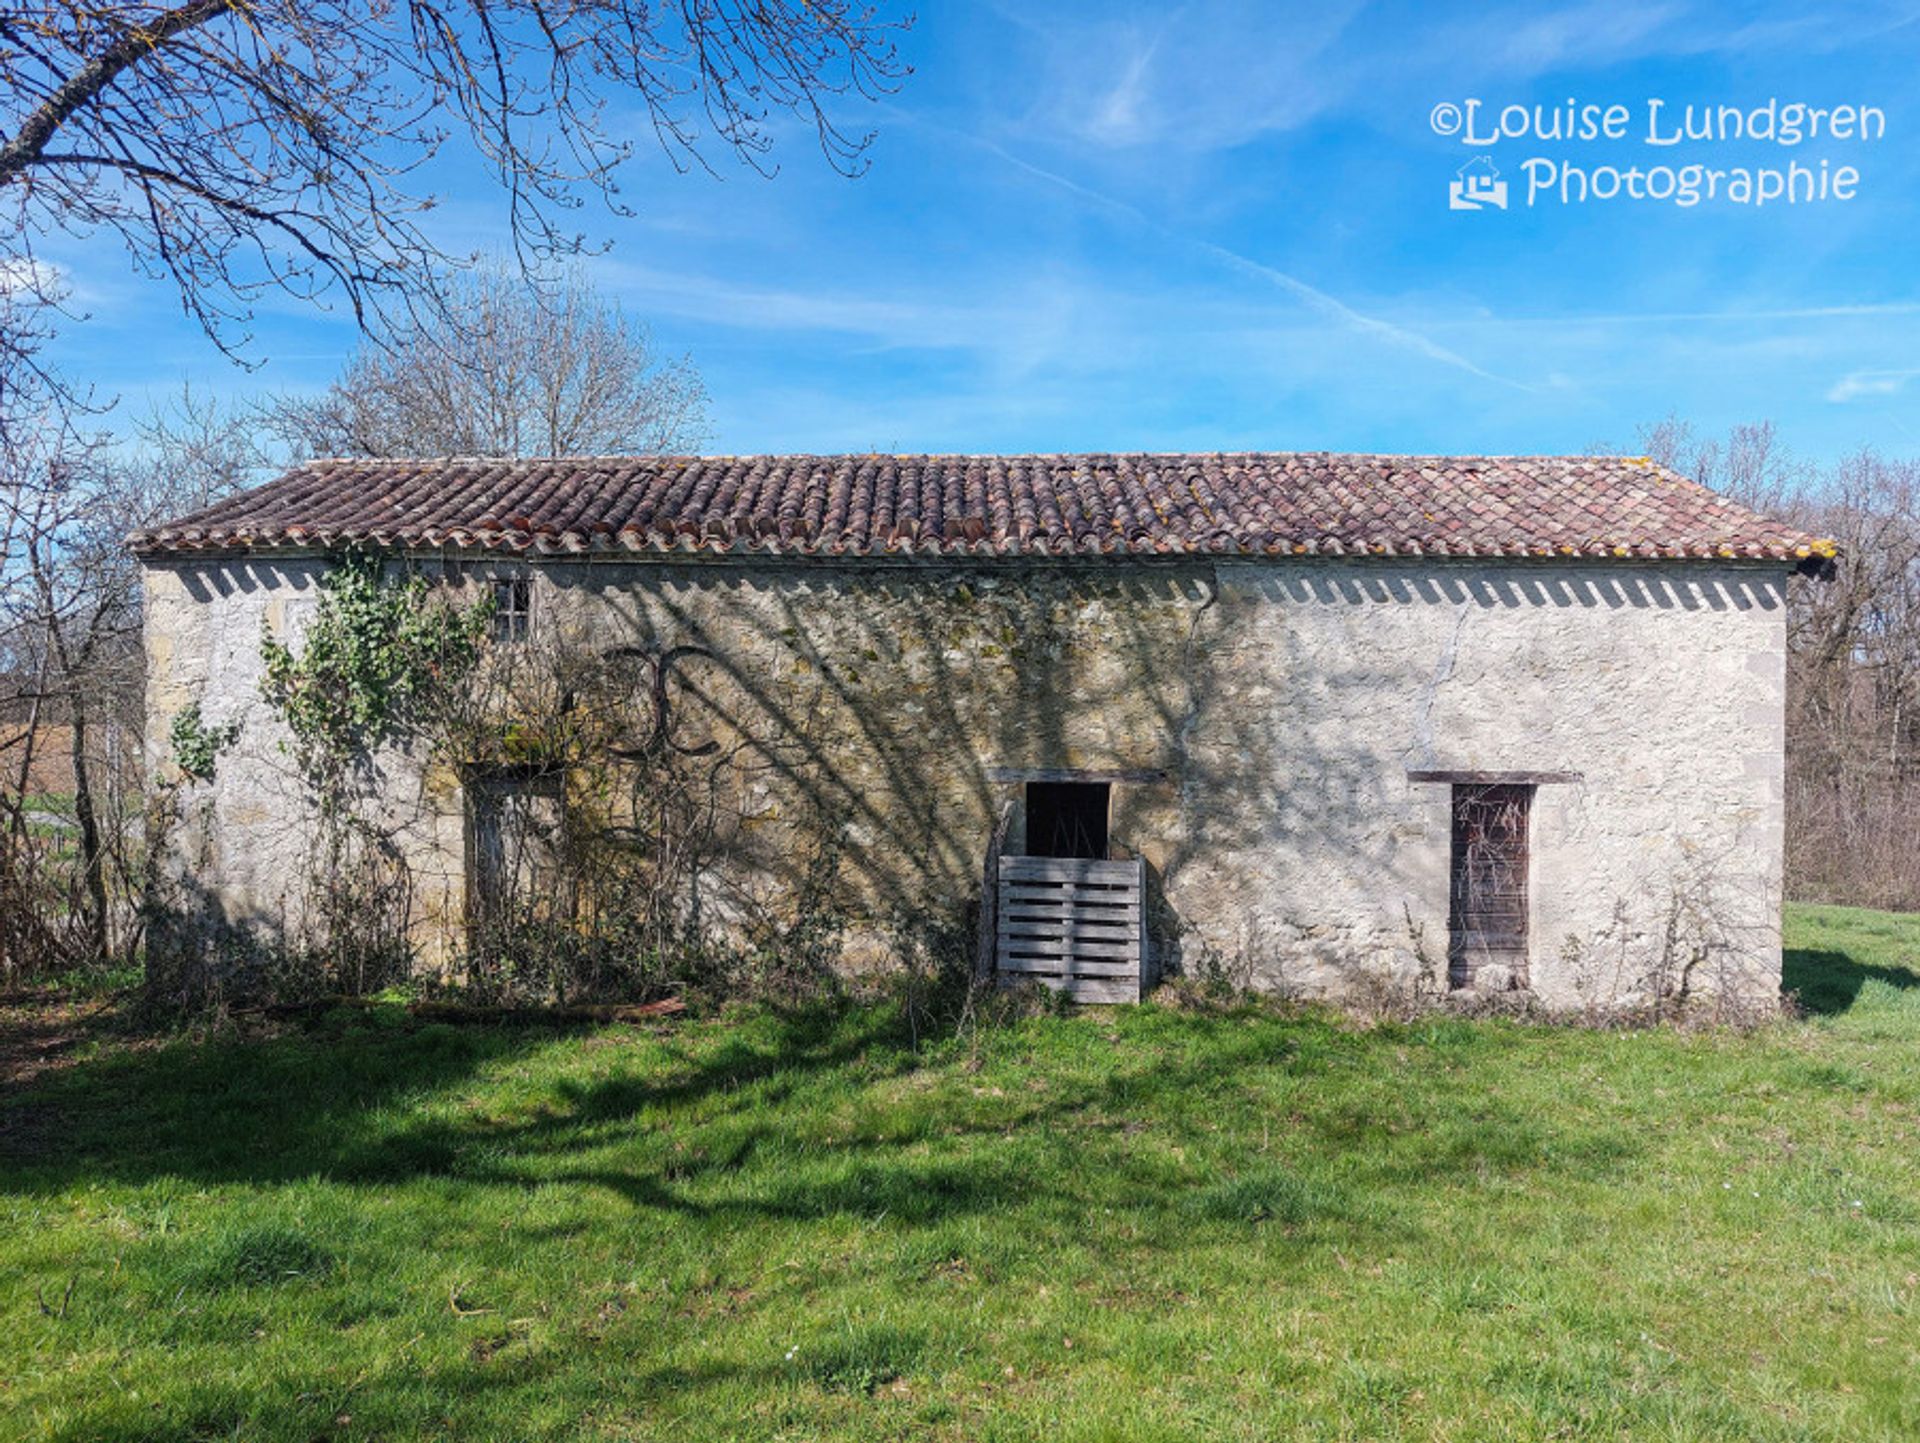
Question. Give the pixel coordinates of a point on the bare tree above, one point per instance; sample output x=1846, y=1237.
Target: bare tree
x=1853, y=656
x=506, y=372
x=236, y=146
x=71, y=667
x=1853, y=738
x=1750, y=466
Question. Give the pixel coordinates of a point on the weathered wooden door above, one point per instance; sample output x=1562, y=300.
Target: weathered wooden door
x=1488, y=906
x=513, y=831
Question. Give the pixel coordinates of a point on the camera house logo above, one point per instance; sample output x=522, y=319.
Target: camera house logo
x=1477, y=186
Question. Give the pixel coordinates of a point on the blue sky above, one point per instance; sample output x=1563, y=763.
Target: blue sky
x=1221, y=225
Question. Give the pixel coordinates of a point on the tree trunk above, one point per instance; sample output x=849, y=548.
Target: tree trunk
x=92, y=858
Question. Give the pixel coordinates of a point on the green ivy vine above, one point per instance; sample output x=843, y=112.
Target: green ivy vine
x=197, y=746
x=378, y=653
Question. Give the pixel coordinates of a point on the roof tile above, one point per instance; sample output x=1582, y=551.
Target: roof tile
x=1274, y=504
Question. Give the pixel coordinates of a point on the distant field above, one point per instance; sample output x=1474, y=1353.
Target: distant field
x=1136, y=1224
x=52, y=769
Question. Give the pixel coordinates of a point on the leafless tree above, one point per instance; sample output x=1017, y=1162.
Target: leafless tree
x=1853, y=738
x=506, y=372
x=1750, y=465
x=1853, y=656
x=70, y=667
x=237, y=146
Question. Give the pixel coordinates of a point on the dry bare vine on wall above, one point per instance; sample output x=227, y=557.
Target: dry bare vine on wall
x=646, y=874
x=630, y=859
x=1669, y=952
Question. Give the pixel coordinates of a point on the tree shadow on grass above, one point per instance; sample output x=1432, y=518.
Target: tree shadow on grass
x=401, y=1398
x=337, y=1098
x=752, y=1125
x=699, y=1128
x=1828, y=983
x=369, y=1101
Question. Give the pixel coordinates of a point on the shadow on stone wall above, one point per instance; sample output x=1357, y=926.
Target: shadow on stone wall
x=873, y=704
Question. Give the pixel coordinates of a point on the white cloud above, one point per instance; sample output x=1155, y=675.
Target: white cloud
x=1856, y=385
x=1328, y=306
x=22, y=275
x=1117, y=118
x=1579, y=35
x=1213, y=74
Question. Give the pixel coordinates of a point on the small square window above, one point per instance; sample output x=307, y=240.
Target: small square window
x=1067, y=819
x=512, y=609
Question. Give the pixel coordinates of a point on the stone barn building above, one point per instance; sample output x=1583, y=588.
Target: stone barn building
x=1320, y=724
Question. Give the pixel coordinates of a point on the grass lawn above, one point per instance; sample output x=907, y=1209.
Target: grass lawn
x=1130, y=1224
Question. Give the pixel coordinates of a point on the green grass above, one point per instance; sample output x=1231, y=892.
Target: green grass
x=1137, y=1224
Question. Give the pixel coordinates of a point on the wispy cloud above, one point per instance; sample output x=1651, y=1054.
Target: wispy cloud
x=1736, y=316
x=1150, y=77
x=1859, y=385
x=879, y=319
x=1050, y=319
x=1583, y=35
x=1129, y=75
x=1117, y=118
x=1329, y=306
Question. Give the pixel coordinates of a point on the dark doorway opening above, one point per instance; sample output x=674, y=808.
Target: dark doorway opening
x=1067, y=819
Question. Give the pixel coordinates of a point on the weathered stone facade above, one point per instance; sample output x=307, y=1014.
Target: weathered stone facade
x=1273, y=714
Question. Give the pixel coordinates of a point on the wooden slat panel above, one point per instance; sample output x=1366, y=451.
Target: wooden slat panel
x=1020, y=896
x=1070, y=929
x=1066, y=946
x=1054, y=967
x=1493, y=941
x=1070, y=933
x=1094, y=991
x=1070, y=906
x=1109, y=917
x=1103, y=992
x=1067, y=912
x=1495, y=779
x=1103, y=910
x=1076, y=774
x=1071, y=948
x=1072, y=924
x=1067, y=869
x=1092, y=891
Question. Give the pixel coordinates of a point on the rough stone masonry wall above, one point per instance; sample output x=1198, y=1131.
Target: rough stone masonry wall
x=1286, y=704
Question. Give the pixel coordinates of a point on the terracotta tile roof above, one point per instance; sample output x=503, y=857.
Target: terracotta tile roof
x=852, y=506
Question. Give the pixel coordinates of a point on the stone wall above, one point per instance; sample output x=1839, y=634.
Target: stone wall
x=1274, y=710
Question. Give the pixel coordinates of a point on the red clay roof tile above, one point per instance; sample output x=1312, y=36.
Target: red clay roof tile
x=1263, y=504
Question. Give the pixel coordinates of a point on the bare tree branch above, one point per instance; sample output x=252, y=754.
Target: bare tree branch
x=240, y=146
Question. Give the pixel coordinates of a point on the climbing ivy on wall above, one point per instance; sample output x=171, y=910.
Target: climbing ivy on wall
x=196, y=745
x=377, y=653
x=384, y=659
